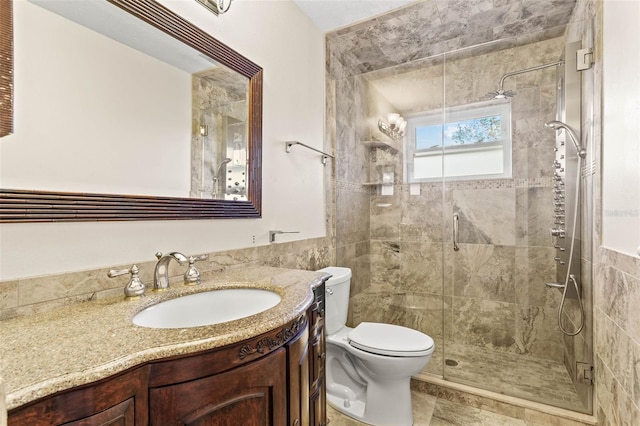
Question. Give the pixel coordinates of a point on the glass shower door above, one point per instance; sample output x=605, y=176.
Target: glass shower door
x=498, y=165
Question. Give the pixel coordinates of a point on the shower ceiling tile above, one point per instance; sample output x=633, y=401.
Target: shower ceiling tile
x=432, y=27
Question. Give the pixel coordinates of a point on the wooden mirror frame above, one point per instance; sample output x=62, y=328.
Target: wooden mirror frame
x=47, y=206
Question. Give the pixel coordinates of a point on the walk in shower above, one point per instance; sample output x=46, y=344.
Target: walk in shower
x=453, y=227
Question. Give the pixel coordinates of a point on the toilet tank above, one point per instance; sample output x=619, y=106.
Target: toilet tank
x=337, y=297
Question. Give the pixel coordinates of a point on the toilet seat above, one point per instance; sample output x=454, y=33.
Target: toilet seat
x=390, y=340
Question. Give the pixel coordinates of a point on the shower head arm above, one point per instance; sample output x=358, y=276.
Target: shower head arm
x=536, y=68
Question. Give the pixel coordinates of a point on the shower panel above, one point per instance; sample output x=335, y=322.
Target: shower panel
x=566, y=164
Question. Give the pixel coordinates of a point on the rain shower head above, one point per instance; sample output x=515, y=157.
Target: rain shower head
x=500, y=94
x=557, y=125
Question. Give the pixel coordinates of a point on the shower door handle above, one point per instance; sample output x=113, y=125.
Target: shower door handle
x=456, y=232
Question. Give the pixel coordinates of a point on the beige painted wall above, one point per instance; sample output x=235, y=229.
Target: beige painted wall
x=279, y=38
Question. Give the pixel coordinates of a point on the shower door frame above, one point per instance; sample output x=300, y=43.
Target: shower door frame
x=576, y=368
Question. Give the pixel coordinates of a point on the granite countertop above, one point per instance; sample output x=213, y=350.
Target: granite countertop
x=80, y=343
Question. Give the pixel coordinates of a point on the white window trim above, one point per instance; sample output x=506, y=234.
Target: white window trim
x=455, y=114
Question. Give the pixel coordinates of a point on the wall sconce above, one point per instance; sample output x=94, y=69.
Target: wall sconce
x=218, y=7
x=395, y=128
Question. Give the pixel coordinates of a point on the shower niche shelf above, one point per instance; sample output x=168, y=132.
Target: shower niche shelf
x=376, y=183
x=380, y=144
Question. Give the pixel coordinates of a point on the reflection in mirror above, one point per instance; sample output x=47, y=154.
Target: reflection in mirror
x=218, y=147
x=142, y=150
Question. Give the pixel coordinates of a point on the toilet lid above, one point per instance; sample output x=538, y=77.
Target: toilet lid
x=388, y=339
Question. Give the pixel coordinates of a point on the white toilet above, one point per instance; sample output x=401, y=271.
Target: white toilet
x=369, y=367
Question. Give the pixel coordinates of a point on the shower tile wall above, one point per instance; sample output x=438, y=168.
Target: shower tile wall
x=494, y=295
x=432, y=27
x=351, y=169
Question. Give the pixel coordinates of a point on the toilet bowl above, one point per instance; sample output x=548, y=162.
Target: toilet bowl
x=369, y=367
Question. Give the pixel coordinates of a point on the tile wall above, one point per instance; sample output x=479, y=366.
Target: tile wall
x=617, y=340
x=30, y=295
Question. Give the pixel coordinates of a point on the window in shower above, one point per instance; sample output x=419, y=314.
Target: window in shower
x=473, y=141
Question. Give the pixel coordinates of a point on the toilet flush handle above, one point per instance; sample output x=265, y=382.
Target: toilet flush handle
x=330, y=291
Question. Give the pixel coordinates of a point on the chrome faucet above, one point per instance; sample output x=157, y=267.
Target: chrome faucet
x=161, y=275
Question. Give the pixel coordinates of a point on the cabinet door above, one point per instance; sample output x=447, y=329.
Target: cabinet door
x=299, y=379
x=122, y=414
x=117, y=401
x=254, y=394
x=318, y=405
x=317, y=359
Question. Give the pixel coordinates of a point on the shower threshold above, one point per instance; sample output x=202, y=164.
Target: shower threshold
x=493, y=401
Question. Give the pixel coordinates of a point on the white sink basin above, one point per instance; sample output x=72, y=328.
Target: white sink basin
x=207, y=308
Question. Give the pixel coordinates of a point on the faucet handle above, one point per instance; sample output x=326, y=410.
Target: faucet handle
x=135, y=288
x=192, y=275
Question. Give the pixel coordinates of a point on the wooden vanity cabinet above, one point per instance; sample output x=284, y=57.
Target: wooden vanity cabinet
x=276, y=379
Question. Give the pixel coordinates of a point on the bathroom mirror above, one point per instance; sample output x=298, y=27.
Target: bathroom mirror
x=219, y=154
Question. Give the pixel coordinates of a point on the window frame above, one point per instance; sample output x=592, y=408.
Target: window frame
x=457, y=114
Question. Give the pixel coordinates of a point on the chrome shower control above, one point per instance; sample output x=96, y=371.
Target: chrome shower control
x=557, y=232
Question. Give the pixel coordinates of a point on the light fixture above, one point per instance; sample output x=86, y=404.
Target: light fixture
x=218, y=7
x=395, y=126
